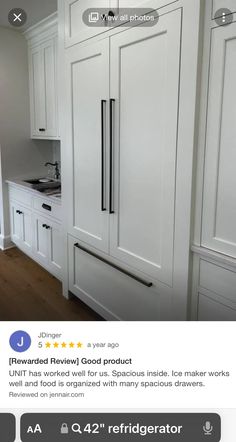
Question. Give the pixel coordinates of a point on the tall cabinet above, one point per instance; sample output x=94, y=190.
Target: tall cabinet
x=127, y=151
x=43, y=75
x=214, y=291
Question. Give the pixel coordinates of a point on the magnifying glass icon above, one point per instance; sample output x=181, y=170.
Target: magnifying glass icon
x=76, y=428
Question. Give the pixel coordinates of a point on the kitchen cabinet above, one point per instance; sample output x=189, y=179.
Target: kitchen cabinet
x=43, y=80
x=122, y=171
x=48, y=243
x=143, y=154
x=214, y=262
x=219, y=209
x=36, y=227
x=113, y=200
x=21, y=226
x=76, y=30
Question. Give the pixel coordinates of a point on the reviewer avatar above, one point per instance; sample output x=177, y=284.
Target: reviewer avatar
x=17, y=17
x=20, y=341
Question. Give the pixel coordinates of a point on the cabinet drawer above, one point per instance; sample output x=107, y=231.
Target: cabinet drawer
x=218, y=280
x=48, y=208
x=108, y=291
x=222, y=4
x=212, y=310
x=20, y=196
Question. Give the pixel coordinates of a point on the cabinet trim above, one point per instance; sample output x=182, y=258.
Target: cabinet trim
x=42, y=30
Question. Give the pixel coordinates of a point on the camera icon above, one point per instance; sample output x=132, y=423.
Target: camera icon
x=94, y=17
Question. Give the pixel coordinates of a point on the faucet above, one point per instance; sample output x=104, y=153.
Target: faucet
x=57, y=171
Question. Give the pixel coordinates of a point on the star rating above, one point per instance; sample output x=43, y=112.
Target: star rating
x=70, y=345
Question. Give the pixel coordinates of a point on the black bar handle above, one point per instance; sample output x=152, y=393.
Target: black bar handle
x=42, y=129
x=131, y=275
x=111, y=209
x=47, y=207
x=103, y=206
x=19, y=212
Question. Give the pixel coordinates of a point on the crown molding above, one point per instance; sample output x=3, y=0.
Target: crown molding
x=43, y=29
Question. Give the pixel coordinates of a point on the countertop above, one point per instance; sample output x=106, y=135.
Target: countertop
x=19, y=182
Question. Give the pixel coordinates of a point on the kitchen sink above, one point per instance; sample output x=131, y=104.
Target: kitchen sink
x=42, y=184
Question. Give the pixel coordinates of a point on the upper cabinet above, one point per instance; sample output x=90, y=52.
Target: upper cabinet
x=76, y=30
x=42, y=40
x=219, y=206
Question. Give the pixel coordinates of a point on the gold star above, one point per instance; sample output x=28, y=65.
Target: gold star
x=72, y=345
x=56, y=345
x=48, y=345
x=79, y=345
x=63, y=345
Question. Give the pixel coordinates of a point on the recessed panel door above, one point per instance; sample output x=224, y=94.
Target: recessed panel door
x=88, y=99
x=49, y=91
x=219, y=204
x=27, y=237
x=42, y=236
x=145, y=89
x=56, y=251
x=36, y=96
x=16, y=223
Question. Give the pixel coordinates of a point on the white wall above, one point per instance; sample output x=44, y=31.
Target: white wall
x=18, y=154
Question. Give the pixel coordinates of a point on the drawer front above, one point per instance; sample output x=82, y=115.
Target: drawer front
x=111, y=293
x=211, y=310
x=47, y=208
x=218, y=280
x=20, y=196
x=222, y=4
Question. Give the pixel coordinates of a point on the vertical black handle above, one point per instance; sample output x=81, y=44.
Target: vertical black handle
x=111, y=209
x=103, y=206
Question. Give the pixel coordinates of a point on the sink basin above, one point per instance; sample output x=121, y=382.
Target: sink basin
x=43, y=183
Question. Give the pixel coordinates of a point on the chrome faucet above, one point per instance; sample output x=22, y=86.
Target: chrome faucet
x=57, y=170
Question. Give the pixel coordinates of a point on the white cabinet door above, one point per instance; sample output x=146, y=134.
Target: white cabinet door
x=87, y=71
x=219, y=204
x=48, y=247
x=27, y=237
x=49, y=63
x=16, y=223
x=145, y=86
x=76, y=29
x=21, y=226
x=41, y=240
x=56, y=251
x=36, y=88
x=43, y=90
